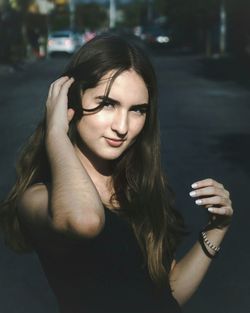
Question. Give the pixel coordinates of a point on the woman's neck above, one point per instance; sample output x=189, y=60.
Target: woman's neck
x=100, y=172
x=93, y=164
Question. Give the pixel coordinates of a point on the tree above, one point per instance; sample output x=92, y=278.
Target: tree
x=194, y=21
x=21, y=5
x=239, y=26
x=135, y=13
x=11, y=32
x=90, y=15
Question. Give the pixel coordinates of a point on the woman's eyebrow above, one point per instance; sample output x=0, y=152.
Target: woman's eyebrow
x=140, y=106
x=113, y=101
x=108, y=98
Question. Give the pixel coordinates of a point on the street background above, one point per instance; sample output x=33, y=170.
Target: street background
x=201, y=53
x=205, y=132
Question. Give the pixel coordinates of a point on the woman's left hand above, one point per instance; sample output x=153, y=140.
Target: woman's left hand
x=216, y=199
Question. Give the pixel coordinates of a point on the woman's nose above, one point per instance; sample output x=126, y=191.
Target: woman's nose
x=120, y=123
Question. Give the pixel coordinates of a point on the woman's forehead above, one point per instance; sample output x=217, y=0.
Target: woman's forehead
x=113, y=78
x=118, y=86
x=107, y=78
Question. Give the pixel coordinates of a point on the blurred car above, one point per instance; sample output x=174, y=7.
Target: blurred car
x=155, y=35
x=63, y=41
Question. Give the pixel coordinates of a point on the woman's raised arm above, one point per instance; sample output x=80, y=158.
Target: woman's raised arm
x=71, y=204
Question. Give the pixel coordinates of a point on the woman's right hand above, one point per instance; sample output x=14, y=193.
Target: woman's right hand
x=58, y=115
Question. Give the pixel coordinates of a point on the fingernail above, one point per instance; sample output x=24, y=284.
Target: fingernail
x=210, y=209
x=198, y=201
x=194, y=185
x=192, y=193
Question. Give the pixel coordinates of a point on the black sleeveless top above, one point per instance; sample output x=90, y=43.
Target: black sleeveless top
x=105, y=274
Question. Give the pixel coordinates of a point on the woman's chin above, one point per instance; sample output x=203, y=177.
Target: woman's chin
x=111, y=156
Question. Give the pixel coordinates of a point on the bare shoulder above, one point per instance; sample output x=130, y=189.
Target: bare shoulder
x=34, y=214
x=33, y=204
x=35, y=197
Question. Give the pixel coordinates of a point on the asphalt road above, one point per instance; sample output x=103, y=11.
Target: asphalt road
x=205, y=131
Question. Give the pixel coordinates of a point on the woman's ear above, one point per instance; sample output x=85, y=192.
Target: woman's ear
x=70, y=114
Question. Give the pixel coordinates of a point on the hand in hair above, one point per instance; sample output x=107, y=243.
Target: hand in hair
x=75, y=204
x=58, y=115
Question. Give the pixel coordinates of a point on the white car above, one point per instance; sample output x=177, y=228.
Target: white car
x=63, y=41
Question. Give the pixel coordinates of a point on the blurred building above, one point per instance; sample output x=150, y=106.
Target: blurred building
x=61, y=4
x=41, y=6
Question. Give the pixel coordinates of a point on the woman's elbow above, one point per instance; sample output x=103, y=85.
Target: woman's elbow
x=80, y=226
x=180, y=299
x=180, y=294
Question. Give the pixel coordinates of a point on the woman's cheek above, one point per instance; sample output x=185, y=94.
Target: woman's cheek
x=103, y=119
x=140, y=126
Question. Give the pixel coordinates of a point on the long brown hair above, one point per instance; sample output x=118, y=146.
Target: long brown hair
x=140, y=185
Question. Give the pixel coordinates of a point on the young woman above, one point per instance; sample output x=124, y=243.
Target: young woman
x=91, y=198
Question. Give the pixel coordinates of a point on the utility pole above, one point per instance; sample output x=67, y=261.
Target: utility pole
x=72, y=14
x=112, y=13
x=223, y=28
x=149, y=11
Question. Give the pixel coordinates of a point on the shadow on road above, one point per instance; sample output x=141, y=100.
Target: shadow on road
x=164, y=50
x=226, y=69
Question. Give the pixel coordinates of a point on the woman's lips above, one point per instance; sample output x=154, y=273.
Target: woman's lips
x=114, y=142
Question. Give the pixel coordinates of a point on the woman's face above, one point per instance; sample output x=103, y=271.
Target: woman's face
x=109, y=132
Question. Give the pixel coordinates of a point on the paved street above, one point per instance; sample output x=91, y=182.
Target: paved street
x=205, y=131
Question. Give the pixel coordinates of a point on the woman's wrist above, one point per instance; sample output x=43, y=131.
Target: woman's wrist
x=55, y=131
x=209, y=248
x=219, y=222
x=210, y=239
x=55, y=136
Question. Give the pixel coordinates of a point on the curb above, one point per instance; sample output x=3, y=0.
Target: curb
x=6, y=69
x=10, y=69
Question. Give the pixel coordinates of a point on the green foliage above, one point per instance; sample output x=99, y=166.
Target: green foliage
x=239, y=26
x=202, y=12
x=21, y=5
x=161, y=6
x=193, y=21
x=134, y=13
x=90, y=15
x=37, y=21
x=59, y=21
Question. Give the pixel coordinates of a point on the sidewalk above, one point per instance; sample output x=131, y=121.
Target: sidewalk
x=7, y=70
x=230, y=68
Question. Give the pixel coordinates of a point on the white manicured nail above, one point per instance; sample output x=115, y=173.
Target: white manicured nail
x=210, y=209
x=198, y=201
x=192, y=193
x=194, y=185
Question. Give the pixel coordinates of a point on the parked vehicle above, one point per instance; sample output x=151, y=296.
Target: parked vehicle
x=155, y=35
x=63, y=41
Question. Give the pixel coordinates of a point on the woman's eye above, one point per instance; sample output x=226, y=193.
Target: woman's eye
x=107, y=104
x=140, y=111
